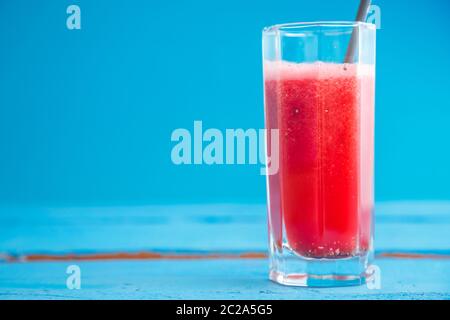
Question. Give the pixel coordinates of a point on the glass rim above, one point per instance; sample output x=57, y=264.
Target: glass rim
x=298, y=26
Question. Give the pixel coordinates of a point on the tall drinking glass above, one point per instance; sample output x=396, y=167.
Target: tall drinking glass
x=319, y=100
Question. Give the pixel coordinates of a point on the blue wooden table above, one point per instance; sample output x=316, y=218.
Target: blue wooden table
x=202, y=252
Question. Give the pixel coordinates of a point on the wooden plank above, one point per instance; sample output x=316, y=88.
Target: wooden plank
x=184, y=239
x=210, y=279
x=400, y=226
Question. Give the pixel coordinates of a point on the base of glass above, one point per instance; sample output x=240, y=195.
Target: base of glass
x=294, y=270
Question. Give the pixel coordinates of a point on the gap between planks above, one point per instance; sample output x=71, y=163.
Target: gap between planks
x=154, y=255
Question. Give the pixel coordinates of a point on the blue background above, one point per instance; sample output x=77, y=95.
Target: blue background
x=86, y=115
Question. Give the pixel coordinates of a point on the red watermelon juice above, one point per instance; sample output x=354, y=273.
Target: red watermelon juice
x=321, y=199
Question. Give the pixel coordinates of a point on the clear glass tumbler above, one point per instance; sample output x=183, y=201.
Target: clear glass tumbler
x=319, y=87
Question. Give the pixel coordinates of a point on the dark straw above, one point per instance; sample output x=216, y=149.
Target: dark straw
x=360, y=17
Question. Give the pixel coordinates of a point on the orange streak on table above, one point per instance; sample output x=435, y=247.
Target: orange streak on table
x=149, y=255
